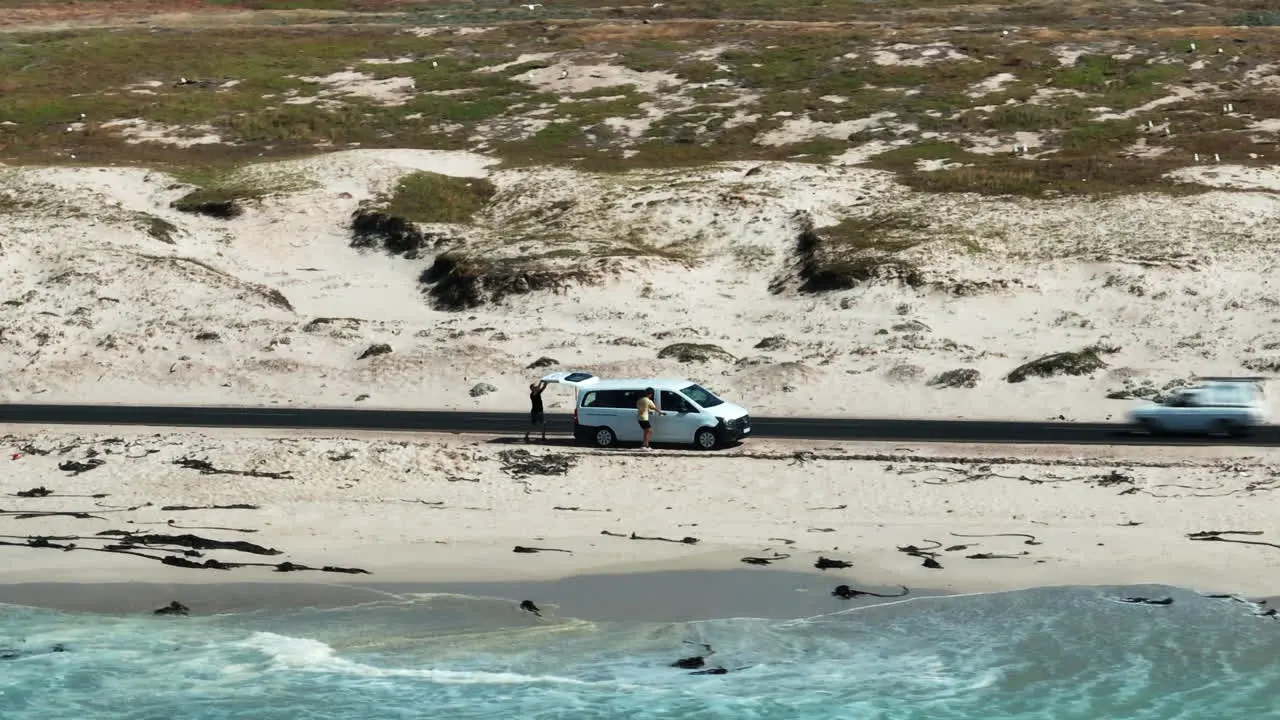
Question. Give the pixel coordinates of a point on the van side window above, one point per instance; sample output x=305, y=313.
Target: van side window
x=672, y=402
x=610, y=399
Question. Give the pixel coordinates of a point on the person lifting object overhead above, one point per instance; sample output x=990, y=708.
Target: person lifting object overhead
x=537, y=418
x=645, y=406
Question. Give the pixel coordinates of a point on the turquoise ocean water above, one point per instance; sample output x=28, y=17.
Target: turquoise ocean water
x=1048, y=653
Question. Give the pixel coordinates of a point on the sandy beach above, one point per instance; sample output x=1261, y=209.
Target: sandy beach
x=448, y=512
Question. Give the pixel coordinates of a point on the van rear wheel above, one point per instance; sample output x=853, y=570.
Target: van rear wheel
x=705, y=439
x=604, y=437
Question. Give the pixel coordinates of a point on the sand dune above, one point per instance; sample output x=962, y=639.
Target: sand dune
x=275, y=306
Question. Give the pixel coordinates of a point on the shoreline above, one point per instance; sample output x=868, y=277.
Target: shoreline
x=702, y=587
x=652, y=596
x=678, y=596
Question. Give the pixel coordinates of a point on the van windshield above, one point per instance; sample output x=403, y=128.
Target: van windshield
x=702, y=396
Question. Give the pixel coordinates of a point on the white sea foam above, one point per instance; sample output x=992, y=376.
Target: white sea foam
x=305, y=654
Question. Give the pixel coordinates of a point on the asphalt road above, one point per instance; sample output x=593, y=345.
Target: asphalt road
x=508, y=423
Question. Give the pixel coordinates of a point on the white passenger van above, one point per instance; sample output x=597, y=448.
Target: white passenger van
x=604, y=412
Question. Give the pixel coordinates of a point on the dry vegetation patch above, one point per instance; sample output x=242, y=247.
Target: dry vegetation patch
x=1011, y=98
x=856, y=250
x=224, y=193
x=427, y=197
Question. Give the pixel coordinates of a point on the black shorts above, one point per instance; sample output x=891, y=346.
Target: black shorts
x=645, y=424
x=536, y=417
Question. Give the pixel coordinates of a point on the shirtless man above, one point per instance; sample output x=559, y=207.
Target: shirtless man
x=645, y=406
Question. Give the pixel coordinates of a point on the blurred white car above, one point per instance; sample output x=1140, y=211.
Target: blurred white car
x=1223, y=406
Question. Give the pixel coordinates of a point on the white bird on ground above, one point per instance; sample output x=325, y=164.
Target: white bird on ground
x=658, y=5
x=533, y=6
x=564, y=74
x=1193, y=47
x=435, y=64
x=1216, y=158
x=1197, y=157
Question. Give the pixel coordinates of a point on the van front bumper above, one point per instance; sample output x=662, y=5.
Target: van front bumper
x=734, y=430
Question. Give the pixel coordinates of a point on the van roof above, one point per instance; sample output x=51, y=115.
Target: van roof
x=640, y=384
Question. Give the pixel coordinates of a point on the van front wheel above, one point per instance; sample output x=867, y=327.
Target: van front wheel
x=604, y=437
x=705, y=439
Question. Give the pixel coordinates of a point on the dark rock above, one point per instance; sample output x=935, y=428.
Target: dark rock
x=694, y=352
x=222, y=209
x=542, y=362
x=481, y=389
x=173, y=608
x=771, y=343
x=208, y=336
x=958, y=378
x=375, y=350
x=1080, y=362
